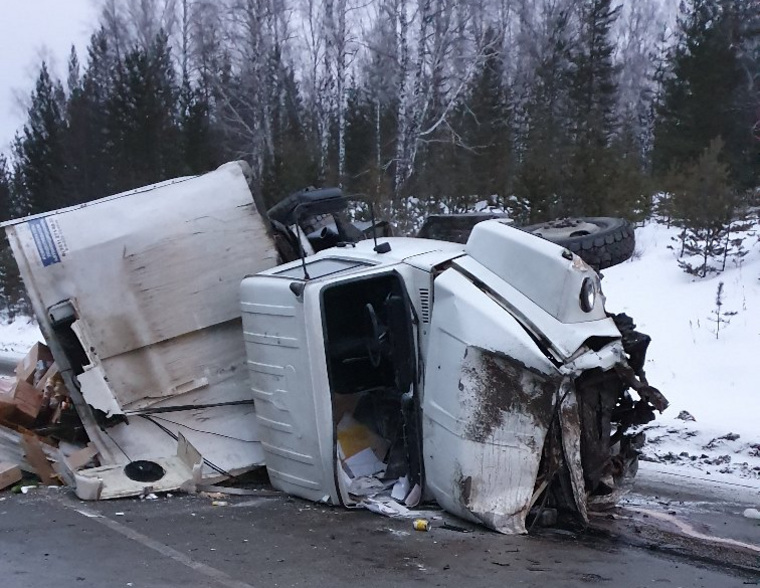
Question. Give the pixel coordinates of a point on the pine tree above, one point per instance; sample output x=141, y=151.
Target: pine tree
x=702, y=204
x=143, y=132
x=486, y=129
x=593, y=100
x=703, y=96
x=39, y=149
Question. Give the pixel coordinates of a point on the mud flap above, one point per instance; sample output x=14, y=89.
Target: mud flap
x=570, y=424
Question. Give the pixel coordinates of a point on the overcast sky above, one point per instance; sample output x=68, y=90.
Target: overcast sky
x=29, y=31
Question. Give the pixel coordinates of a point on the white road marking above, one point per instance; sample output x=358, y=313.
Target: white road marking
x=690, y=531
x=211, y=572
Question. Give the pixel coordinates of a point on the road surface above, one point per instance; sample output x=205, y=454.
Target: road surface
x=49, y=538
x=8, y=363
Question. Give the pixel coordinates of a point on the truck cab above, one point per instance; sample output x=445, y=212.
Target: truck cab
x=461, y=369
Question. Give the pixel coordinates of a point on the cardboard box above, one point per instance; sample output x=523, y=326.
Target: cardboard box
x=28, y=399
x=26, y=367
x=48, y=377
x=354, y=437
x=7, y=406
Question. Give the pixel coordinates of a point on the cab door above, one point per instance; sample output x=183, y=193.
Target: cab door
x=488, y=399
x=289, y=386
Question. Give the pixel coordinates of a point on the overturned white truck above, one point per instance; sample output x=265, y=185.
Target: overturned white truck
x=487, y=376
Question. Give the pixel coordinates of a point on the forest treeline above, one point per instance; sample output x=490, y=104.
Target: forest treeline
x=546, y=107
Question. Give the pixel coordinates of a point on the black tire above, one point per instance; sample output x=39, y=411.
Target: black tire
x=599, y=241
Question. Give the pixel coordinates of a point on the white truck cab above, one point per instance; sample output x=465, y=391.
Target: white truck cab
x=453, y=366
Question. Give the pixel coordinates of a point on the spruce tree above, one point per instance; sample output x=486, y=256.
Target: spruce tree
x=200, y=145
x=39, y=149
x=142, y=126
x=360, y=141
x=12, y=294
x=593, y=99
x=7, y=211
x=486, y=129
x=702, y=95
x=90, y=172
x=702, y=204
x=545, y=141
x=292, y=162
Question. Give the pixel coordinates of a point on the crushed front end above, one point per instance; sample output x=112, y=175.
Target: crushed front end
x=532, y=389
x=590, y=457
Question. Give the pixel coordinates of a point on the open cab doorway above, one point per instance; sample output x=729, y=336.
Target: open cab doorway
x=371, y=361
x=333, y=366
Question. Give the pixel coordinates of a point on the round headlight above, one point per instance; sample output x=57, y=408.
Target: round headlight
x=588, y=295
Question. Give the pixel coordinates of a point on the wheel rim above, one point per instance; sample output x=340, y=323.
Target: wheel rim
x=566, y=229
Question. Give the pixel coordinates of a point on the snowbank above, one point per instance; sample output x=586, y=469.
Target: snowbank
x=713, y=378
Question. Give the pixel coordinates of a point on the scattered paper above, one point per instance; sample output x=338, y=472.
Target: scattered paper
x=385, y=505
x=400, y=489
x=414, y=496
x=364, y=463
x=366, y=486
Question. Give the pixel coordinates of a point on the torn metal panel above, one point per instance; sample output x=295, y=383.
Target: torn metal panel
x=96, y=391
x=489, y=397
x=137, y=296
x=570, y=423
x=510, y=409
x=181, y=472
x=563, y=339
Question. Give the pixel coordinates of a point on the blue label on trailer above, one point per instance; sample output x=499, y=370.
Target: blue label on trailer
x=44, y=241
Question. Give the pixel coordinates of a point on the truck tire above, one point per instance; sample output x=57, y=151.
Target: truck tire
x=599, y=241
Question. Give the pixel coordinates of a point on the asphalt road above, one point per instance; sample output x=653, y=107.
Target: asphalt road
x=49, y=538
x=8, y=363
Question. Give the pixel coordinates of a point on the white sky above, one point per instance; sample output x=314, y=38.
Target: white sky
x=29, y=31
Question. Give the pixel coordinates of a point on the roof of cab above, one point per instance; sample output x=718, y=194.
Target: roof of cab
x=421, y=253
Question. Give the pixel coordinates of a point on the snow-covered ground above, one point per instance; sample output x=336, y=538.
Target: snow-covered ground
x=17, y=336
x=713, y=379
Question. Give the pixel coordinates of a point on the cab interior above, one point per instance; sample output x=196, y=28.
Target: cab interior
x=369, y=330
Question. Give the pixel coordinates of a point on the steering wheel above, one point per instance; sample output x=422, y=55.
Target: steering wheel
x=376, y=336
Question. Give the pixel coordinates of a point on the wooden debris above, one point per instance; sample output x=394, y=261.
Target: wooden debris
x=36, y=457
x=81, y=458
x=11, y=450
x=31, y=405
x=9, y=474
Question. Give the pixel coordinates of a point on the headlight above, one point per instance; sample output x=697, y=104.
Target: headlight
x=588, y=295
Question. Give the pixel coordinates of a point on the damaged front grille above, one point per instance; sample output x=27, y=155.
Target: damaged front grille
x=605, y=414
x=609, y=450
